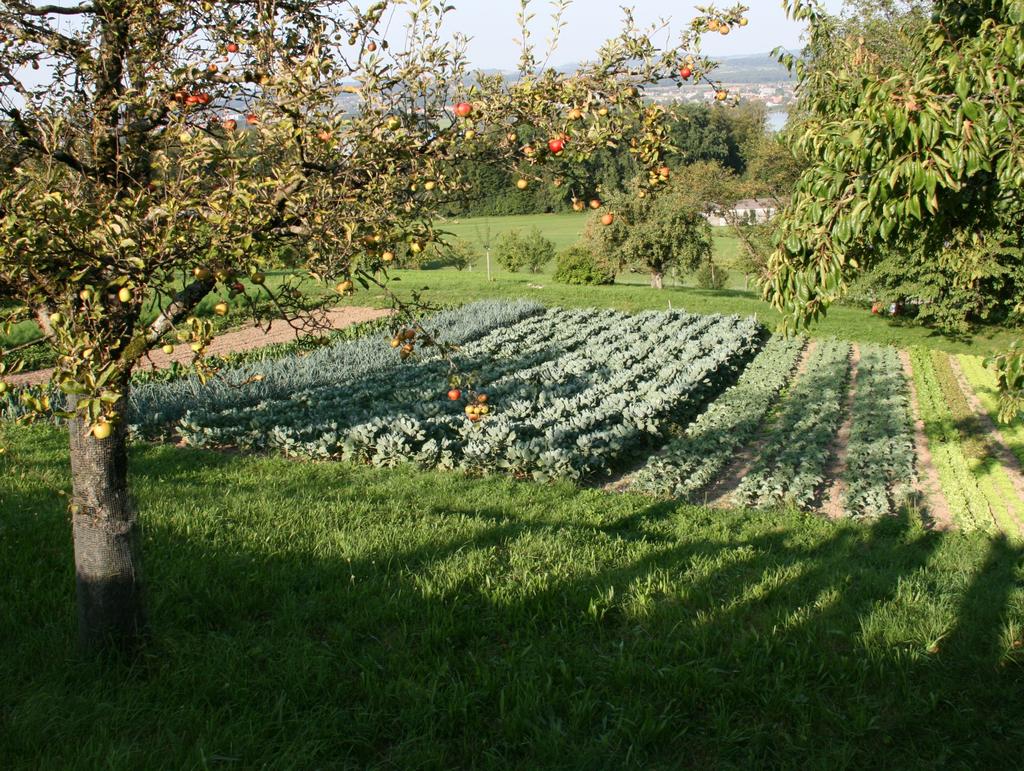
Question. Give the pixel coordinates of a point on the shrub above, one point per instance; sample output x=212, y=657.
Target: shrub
x=517, y=253
x=456, y=253
x=711, y=276
x=578, y=265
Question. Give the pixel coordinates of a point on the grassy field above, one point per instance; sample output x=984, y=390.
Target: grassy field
x=629, y=293
x=847, y=323
x=331, y=615
x=326, y=615
x=562, y=229
x=565, y=230
x=632, y=293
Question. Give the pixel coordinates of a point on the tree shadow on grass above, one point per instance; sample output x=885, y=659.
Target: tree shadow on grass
x=506, y=633
x=716, y=294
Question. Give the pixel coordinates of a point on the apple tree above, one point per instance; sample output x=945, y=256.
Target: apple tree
x=661, y=229
x=920, y=153
x=156, y=154
x=656, y=234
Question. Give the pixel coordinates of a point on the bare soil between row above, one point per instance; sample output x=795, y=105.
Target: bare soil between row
x=236, y=341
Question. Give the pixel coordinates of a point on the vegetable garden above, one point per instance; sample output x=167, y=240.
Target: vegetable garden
x=706, y=408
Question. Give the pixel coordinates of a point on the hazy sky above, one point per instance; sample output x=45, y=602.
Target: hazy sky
x=492, y=25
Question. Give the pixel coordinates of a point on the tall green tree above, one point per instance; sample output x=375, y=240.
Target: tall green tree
x=890, y=35
x=744, y=126
x=772, y=169
x=697, y=136
x=659, y=232
x=921, y=151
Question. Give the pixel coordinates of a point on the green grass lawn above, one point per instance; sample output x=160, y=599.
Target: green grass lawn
x=564, y=230
x=847, y=323
x=631, y=291
x=325, y=615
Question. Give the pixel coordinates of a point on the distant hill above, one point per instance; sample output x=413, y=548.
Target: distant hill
x=749, y=68
x=753, y=68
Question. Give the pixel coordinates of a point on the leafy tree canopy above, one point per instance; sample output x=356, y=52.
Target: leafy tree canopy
x=923, y=149
x=659, y=231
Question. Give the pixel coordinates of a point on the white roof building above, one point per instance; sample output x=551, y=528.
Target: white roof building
x=752, y=211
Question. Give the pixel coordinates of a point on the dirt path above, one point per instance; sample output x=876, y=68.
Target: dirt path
x=997, y=445
x=832, y=503
x=230, y=342
x=937, y=514
x=720, y=492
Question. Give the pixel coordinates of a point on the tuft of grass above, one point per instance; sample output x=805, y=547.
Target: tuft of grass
x=328, y=615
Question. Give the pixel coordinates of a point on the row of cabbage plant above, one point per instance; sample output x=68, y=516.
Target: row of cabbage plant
x=880, y=458
x=572, y=393
x=157, y=405
x=791, y=467
x=692, y=461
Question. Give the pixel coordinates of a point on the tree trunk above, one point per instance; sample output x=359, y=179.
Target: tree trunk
x=105, y=530
x=657, y=279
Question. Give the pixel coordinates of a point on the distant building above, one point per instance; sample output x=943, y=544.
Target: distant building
x=749, y=211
